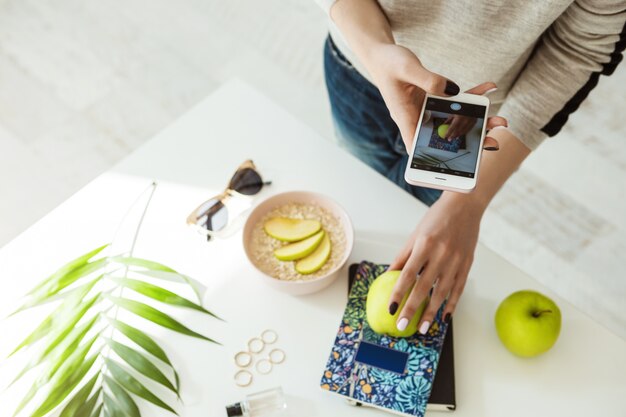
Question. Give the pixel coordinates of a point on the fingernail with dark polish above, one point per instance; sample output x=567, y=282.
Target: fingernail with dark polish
x=393, y=308
x=491, y=148
x=447, y=318
x=451, y=88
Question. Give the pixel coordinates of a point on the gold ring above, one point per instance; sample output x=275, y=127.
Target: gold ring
x=264, y=366
x=243, y=378
x=277, y=356
x=269, y=336
x=255, y=345
x=243, y=359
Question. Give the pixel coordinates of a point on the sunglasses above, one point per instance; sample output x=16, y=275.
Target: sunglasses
x=212, y=215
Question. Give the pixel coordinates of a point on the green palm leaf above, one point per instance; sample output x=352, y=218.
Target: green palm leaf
x=58, y=334
x=48, y=374
x=87, y=408
x=129, y=382
x=155, y=316
x=126, y=403
x=72, y=341
x=40, y=331
x=57, y=317
x=79, y=399
x=66, y=269
x=141, y=364
x=65, y=382
x=158, y=270
x=197, y=287
x=111, y=409
x=60, y=328
x=46, y=292
x=97, y=412
x=142, y=263
x=142, y=339
x=69, y=344
x=160, y=294
x=147, y=343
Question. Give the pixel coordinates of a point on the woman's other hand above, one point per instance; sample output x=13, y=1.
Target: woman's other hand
x=439, y=254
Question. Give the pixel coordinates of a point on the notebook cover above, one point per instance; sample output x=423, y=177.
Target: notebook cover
x=406, y=392
x=442, y=395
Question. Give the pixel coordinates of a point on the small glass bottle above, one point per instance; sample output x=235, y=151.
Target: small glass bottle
x=270, y=402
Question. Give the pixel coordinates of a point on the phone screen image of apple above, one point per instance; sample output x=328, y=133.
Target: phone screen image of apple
x=449, y=137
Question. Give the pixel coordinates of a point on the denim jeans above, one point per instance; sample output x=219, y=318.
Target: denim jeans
x=363, y=125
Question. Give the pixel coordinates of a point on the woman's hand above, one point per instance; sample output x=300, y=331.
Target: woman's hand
x=441, y=249
x=439, y=253
x=459, y=125
x=403, y=82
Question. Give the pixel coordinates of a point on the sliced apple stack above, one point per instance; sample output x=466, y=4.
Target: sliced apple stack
x=309, y=244
x=301, y=249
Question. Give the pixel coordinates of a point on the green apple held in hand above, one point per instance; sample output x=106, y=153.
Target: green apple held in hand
x=377, y=307
x=528, y=323
x=442, y=130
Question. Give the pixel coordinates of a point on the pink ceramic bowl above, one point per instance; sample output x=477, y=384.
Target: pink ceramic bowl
x=300, y=287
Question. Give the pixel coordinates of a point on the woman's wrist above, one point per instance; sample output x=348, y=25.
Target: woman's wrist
x=496, y=168
x=471, y=202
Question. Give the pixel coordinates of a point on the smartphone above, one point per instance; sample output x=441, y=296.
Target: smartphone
x=448, y=143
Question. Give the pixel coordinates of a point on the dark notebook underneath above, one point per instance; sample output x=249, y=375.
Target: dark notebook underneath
x=442, y=396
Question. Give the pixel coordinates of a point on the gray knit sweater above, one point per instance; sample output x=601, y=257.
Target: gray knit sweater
x=545, y=56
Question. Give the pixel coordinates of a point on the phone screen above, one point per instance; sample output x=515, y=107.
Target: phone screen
x=449, y=138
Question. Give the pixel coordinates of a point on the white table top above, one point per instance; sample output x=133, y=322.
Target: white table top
x=584, y=374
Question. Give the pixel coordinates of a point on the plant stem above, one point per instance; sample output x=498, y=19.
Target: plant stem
x=130, y=253
x=540, y=312
x=141, y=219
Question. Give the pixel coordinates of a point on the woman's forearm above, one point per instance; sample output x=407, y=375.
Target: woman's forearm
x=363, y=24
x=365, y=27
x=495, y=169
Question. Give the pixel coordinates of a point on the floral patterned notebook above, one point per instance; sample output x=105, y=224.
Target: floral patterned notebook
x=395, y=374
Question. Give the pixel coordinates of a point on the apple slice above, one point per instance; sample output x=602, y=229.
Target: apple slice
x=300, y=249
x=315, y=260
x=291, y=230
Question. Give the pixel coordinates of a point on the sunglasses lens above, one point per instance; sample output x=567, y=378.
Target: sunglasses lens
x=246, y=181
x=214, y=215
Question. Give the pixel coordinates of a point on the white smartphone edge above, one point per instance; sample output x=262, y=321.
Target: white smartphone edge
x=438, y=180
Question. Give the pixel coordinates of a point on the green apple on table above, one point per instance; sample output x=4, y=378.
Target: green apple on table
x=528, y=323
x=377, y=307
